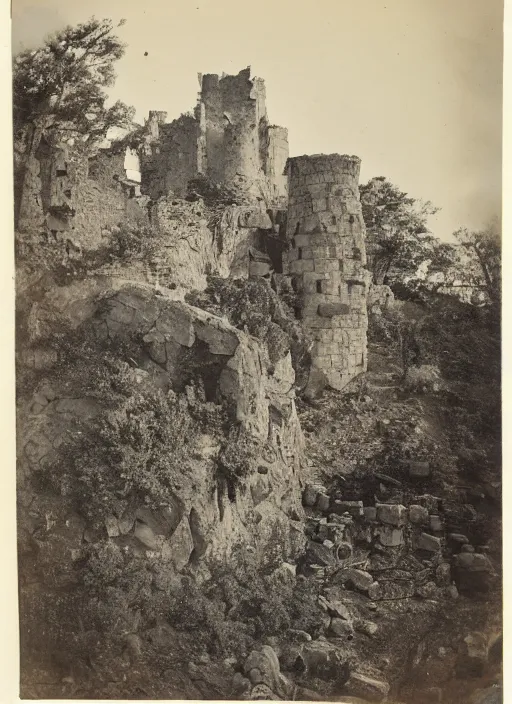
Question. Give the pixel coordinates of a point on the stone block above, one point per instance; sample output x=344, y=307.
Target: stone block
x=390, y=537
x=354, y=508
x=393, y=514
x=429, y=543
x=341, y=628
x=328, y=310
x=370, y=513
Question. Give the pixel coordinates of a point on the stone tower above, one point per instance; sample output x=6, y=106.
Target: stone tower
x=326, y=259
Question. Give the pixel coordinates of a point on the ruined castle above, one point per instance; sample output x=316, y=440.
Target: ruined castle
x=298, y=217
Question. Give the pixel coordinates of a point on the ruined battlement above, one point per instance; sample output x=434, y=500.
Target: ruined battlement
x=228, y=139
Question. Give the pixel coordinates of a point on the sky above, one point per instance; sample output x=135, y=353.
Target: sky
x=412, y=87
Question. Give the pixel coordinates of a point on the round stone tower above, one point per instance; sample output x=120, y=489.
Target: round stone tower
x=326, y=259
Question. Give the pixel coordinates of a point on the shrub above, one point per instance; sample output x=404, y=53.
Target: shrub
x=424, y=378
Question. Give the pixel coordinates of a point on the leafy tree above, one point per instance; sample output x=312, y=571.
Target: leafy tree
x=64, y=81
x=399, y=240
x=479, y=266
x=60, y=88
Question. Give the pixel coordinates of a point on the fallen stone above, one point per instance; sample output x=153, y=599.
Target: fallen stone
x=458, y=538
x=341, y=628
x=419, y=470
x=436, y=524
x=370, y=513
x=394, y=514
x=375, y=592
x=179, y=546
x=369, y=628
x=390, y=537
x=368, y=688
x=354, y=508
x=429, y=543
x=145, y=535
x=418, y=515
x=318, y=554
x=112, y=526
x=323, y=501
x=357, y=579
x=325, y=661
x=309, y=496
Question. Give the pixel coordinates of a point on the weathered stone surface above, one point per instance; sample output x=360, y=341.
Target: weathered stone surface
x=371, y=689
x=394, y=514
x=429, y=543
x=418, y=515
x=319, y=554
x=323, y=502
x=436, y=524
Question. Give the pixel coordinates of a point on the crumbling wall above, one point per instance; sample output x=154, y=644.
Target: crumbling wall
x=326, y=260
x=169, y=159
x=228, y=140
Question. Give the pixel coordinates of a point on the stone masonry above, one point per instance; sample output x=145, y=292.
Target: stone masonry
x=326, y=259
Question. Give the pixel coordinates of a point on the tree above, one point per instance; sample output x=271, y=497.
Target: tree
x=479, y=266
x=64, y=81
x=60, y=89
x=399, y=240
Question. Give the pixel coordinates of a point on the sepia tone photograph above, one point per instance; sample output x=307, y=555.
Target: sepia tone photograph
x=258, y=350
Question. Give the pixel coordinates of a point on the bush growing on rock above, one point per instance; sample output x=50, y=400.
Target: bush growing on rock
x=252, y=305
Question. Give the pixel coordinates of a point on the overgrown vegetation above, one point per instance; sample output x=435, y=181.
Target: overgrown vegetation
x=252, y=305
x=64, y=262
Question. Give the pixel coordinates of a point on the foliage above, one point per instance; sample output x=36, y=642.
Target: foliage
x=253, y=306
x=135, y=446
x=64, y=264
x=64, y=81
x=479, y=266
x=398, y=237
x=239, y=454
x=423, y=378
x=214, y=195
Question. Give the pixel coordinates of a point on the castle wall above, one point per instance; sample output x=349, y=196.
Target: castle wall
x=228, y=140
x=170, y=157
x=326, y=260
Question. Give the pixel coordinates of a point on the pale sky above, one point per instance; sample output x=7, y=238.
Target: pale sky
x=413, y=87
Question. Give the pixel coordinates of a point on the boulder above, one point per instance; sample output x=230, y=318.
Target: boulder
x=340, y=628
x=325, y=661
x=369, y=688
x=370, y=513
x=418, y=515
x=179, y=546
x=309, y=496
x=429, y=543
x=357, y=579
x=319, y=554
